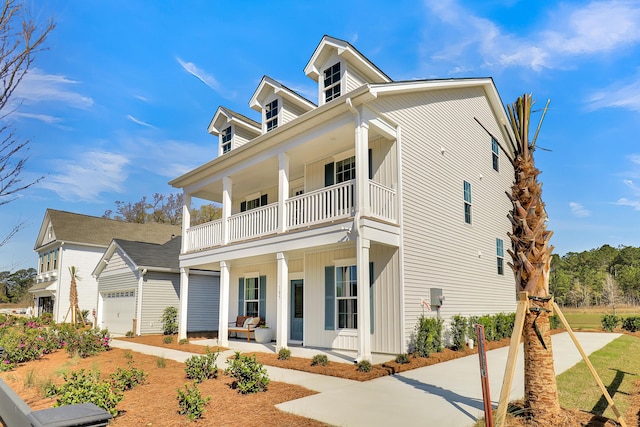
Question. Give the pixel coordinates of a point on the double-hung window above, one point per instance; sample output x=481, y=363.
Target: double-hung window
x=253, y=203
x=467, y=202
x=332, y=82
x=347, y=297
x=500, y=255
x=494, y=153
x=346, y=170
x=251, y=296
x=271, y=115
x=225, y=140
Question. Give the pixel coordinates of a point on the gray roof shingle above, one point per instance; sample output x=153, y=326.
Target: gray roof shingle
x=151, y=254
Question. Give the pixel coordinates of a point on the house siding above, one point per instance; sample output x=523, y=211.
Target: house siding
x=241, y=137
x=290, y=112
x=84, y=259
x=204, y=303
x=118, y=262
x=440, y=250
x=160, y=290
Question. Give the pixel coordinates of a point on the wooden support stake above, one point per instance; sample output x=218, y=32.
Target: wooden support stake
x=510, y=368
x=589, y=365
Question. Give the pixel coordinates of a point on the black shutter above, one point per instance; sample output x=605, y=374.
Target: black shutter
x=263, y=200
x=243, y=206
x=329, y=298
x=329, y=174
x=370, y=164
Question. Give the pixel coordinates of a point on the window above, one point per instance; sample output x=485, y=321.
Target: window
x=253, y=203
x=55, y=259
x=251, y=296
x=226, y=140
x=467, y=202
x=332, y=82
x=494, y=153
x=345, y=170
x=347, y=297
x=500, y=255
x=271, y=115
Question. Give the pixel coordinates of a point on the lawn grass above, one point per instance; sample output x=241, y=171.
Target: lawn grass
x=589, y=318
x=618, y=366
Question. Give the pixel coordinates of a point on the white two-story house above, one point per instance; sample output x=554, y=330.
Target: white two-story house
x=68, y=239
x=344, y=222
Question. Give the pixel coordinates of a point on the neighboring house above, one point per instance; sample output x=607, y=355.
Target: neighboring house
x=342, y=221
x=137, y=281
x=69, y=239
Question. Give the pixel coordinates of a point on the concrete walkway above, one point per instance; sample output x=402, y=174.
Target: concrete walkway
x=445, y=394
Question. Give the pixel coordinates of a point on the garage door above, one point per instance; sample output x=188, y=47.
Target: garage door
x=118, y=311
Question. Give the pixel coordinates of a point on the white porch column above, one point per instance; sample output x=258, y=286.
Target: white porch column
x=186, y=221
x=362, y=168
x=223, y=321
x=364, y=310
x=184, y=302
x=282, y=311
x=227, y=184
x=283, y=190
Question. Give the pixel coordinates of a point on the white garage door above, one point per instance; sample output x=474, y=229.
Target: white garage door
x=118, y=311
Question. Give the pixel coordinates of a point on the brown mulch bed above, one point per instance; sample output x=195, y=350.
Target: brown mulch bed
x=158, y=341
x=154, y=403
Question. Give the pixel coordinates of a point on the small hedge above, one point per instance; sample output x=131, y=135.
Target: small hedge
x=631, y=323
x=610, y=322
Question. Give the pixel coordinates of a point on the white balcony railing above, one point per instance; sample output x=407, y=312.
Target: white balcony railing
x=316, y=207
x=329, y=203
x=253, y=223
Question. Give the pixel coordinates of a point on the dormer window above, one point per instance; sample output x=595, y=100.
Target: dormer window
x=225, y=140
x=332, y=82
x=271, y=115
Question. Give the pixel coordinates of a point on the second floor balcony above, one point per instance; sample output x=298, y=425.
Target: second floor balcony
x=315, y=208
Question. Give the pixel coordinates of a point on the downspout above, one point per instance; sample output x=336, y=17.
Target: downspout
x=139, y=300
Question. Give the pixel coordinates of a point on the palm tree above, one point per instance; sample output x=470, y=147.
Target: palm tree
x=73, y=298
x=531, y=255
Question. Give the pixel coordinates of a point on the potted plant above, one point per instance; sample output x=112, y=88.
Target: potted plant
x=263, y=333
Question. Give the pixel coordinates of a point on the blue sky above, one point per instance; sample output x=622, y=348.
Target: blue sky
x=120, y=102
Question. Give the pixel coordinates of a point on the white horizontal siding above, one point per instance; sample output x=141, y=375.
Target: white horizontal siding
x=160, y=290
x=204, y=303
x=118, y=262
x=241, y=137
x=440, y=250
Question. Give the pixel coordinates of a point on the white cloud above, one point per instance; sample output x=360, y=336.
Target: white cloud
x=85, y=178
x=616, y=96
x=578, y=210
x=200, y=74
x=140, y=122
x=41, y=117
x=37, y=86
x=635, y=204
x=572, y=30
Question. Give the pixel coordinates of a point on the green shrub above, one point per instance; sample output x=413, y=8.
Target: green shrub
x=161, y=362
x=631, y=323
x=168, y=339
x=489, y=324
x=202, y=367
x=170, y=320
x=402, y=359
x=250, y=376
x=319, y=359
x=609, y=322
x=503, y=325
x=129, y=334
x=191, y=402
x=88, y=342
x=183, y=341
x=555, y=322
x=428, y=336
x=364, y=366
x=85, y=387
x=284, y=354
x=126, y=379
x=458, y=331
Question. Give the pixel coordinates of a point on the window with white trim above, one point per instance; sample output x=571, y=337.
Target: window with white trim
x=347, y=297
x=346, y=169
x=332, y=82
x=500, y=255
x=251, y=296
x=467, y=202
x=271, y=115
x=495, y=153
x=253, y=203
x=225, y=140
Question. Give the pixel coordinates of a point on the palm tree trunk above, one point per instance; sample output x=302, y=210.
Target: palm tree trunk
x=531, y=255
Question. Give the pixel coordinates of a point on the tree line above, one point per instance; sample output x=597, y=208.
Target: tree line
x=604, y=276
x=14, y=285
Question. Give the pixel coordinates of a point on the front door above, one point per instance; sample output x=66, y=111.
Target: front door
x=297, y=310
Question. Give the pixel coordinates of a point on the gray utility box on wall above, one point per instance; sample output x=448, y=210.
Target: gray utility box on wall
x=437, y=298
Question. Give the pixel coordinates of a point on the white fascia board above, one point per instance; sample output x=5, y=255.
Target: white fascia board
x=158, y=269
